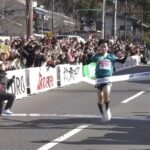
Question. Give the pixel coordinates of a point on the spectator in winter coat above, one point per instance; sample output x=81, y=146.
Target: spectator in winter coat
x=5, y=83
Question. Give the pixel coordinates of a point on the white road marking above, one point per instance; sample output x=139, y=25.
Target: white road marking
x=63, y=137
x=133, y=97
x=86, y=116
x=52, y=115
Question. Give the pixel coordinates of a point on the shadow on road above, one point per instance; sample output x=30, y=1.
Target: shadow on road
x=117, y=131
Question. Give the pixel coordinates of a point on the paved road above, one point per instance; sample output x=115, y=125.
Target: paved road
x=68, y=119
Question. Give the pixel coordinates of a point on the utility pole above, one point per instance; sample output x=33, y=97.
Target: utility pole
x=103, y=20
x=29, y=19
x=141, y=23
x=115, y=21
x=125, y=19
x=75, y=18
x=2, y=16
x=52, y=25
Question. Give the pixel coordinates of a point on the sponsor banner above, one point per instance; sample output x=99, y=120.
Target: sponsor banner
x=19, y=87
x=131, y=61
x=136, y=59
x=134, y=76
x=70, y=74
x=126, y=65
x=42, y=79
x=89, y=70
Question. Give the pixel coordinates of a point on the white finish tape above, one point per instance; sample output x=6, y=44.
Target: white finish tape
x=133, y=76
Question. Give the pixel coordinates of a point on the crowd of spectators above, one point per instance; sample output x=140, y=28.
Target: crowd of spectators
x=20, y=53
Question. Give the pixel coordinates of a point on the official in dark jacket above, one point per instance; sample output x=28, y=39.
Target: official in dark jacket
x=5, y=83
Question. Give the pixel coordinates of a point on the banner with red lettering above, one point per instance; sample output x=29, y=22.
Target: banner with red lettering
x=42, y=79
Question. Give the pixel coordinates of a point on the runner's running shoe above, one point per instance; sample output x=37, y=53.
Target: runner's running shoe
x=7, y=112
x=108, y=114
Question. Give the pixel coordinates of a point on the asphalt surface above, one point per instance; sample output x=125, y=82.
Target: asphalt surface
x=45, y=118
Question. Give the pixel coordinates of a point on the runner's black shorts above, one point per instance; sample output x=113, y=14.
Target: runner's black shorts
x=102, y=85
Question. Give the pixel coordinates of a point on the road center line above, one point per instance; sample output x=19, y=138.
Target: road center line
x=63, y=137
x=132, y=97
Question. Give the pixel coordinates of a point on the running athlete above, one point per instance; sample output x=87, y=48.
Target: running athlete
x=104, y=68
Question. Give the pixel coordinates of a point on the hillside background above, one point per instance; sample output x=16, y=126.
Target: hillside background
x=134, y=7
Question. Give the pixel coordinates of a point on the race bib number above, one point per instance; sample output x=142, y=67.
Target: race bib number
x=105, y=64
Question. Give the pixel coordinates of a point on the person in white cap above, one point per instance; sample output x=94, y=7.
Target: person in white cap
x=5, y=83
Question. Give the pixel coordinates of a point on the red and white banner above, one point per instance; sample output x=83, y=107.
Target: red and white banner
x=42, y=79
